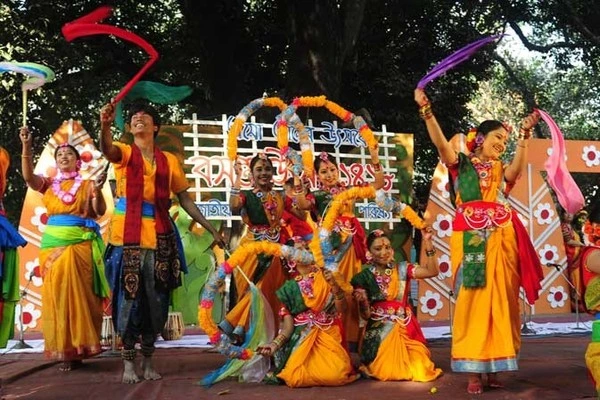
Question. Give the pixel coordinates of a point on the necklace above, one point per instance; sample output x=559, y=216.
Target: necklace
x=305, y=282
x=67, y=197
x=483, y=169
x=382, y=279
x=269, y=202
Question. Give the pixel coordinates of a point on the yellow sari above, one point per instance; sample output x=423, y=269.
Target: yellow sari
x=315, y=355
x=71, y=311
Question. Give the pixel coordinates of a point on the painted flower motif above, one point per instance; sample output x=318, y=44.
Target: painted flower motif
x=40, y=218
x=431, y=303
x=444, y=186
x=33, y=272
x=549, y=153
x=90, y=157
x=557, y=296
x=30, y=316
x=590, y=155
x=444, y=267
x=549, y=254
x=544, y=213
x=443, y=225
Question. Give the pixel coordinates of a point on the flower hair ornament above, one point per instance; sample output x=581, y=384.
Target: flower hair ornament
x=474, y=139
x=378, y=233
x=324, y=156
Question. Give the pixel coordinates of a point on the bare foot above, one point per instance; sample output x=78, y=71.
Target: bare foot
x=475, y=386
x=70, y=365
x=149, y=373
x=129, y=375
x=493, y=381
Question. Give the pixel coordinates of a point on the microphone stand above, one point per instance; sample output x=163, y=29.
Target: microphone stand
x=577, y=295
x=525, y=329
x=21, y=343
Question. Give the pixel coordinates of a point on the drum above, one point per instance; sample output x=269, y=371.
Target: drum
x=108, y=336
x=107, y=332
x=174, y=327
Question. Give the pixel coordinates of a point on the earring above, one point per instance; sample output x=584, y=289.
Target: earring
x=369, y=256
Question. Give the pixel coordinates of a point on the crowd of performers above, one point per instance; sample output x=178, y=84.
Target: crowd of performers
x=357, y=303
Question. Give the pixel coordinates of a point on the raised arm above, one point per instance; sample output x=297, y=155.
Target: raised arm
x=235, y=202
x=110, y=151
x=377, y=168
x=429, y=269
x=33, y=181
x=519, y=161
x=447, y=154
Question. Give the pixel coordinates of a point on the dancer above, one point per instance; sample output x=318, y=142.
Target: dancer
x=490, y=246
x=10, y=239
x=263, y=211
x=394, y=346
x=349, y=238
x=308, y=350
x=143, y=259
x=70, y=256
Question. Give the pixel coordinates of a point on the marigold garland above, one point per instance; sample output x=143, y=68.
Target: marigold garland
x=334, y=211
x=242, y=117
x=412, y=217
x=212, y=286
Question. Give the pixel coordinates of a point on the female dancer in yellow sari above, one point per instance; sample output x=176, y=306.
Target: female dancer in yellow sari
x=70, y=257
x=263, y=211
x=348, y=239
x=308, y=350
x=393, y=348
x=490, y=246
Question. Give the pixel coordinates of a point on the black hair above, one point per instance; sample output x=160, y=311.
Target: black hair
x=376, y=234
x=259, y=157
x=318, y=161
x=489, y=125
x=69, y=146
x=148, y=109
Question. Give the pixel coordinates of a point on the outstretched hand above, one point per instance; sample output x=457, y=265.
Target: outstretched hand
x=25, y=137
x=530, y=121
x=421, y=97
x=107, y=115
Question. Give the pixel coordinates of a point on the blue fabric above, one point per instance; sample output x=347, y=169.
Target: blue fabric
x=74, y=220
x=147, y=208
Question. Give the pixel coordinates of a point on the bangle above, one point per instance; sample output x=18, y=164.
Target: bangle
x=339, y=295
x=430, y=253
x=234, y=192
x=425, y=111
x=25, y=155
x=524, y=134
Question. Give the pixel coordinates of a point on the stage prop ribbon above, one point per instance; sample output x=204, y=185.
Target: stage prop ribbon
x=89, y=25
x=38, y=75
x=153, y=91
x=560, y=180
x=454, y=59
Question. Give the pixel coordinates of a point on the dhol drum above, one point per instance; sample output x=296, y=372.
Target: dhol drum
x=174, y=327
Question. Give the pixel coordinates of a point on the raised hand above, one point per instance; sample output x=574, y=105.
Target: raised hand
x=421, y=97
x=25, y=137
x=107, y=115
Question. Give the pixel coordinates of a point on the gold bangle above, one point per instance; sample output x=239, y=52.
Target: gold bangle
x=25, y=155
x=430, y=253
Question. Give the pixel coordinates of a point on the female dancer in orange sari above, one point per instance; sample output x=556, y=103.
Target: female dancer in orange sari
x=394, y=347
x=489, y=245
x=70, y=256
x=308, y=350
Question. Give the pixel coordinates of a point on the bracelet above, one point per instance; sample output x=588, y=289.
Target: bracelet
x=339, y=295
x=25, y=155
x=524, y=134
x=234, y=192
x=425, y=111
x=430, y=253
x=377, y=167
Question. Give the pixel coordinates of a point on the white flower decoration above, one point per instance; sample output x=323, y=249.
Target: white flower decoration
x=90, y=157
x=544, y=213
x=40, y=218
x=33, y=272
x=557, y=296
x=549, y=254
x=590, y=155
x=445, y=267
x=443, y=225
x=549, y=152
x=443, y=186
x=30, y=316
x=431, y=303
